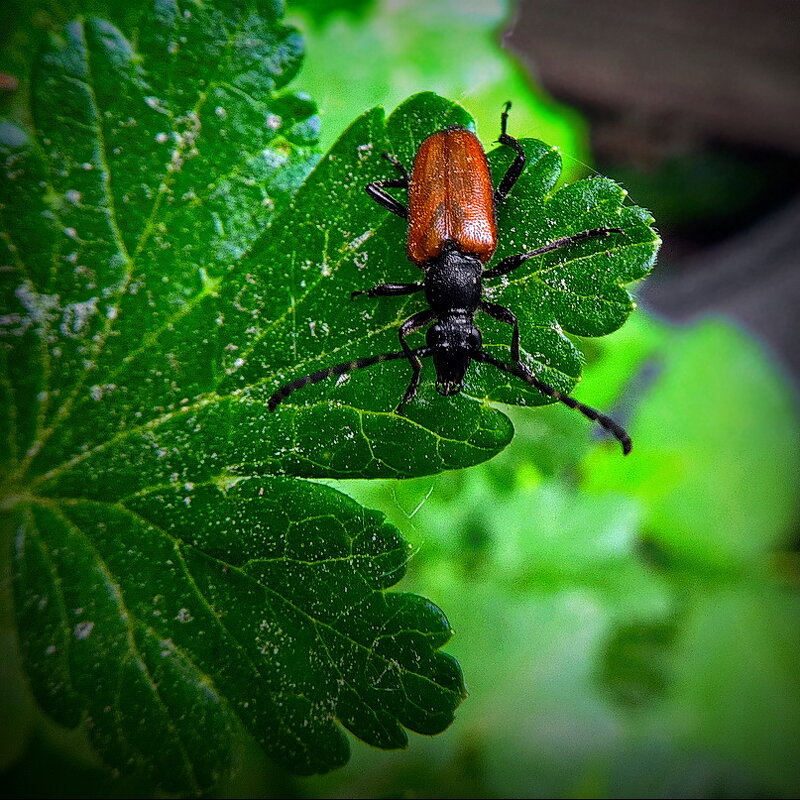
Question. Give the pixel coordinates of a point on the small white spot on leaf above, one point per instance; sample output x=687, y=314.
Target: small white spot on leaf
x=83, y=630
x=75, y=317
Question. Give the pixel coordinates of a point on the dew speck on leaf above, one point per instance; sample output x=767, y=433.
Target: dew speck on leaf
x=83, y=630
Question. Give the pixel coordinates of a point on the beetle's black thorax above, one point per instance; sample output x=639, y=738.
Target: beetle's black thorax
x=453, y=282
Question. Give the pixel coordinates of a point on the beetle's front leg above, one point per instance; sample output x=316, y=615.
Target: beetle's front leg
x=502, y=314
x=376, y=189
x=413, y=323
x=517, y=165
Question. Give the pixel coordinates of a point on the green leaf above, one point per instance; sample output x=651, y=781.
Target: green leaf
x=171, y=589
x=730, y=444
x=175, y=584
x=737, y=686
x=362, y=247
x=320, y=11
x=635, y=667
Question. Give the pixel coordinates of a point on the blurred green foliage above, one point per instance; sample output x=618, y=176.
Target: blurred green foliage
x=627, y=627
x=363, y=54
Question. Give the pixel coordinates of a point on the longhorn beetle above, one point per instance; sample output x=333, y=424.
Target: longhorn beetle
x=452, y=234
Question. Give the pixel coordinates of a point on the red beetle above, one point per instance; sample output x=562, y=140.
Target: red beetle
x=452, y=234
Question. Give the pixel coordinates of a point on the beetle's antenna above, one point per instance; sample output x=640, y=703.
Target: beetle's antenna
x=593, y=414
x=340, y=369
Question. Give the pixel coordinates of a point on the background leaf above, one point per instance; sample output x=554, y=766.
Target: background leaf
x=448, y=47
x=755, y=498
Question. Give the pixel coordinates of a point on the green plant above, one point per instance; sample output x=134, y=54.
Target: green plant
x=626, y=626
x=169, y=260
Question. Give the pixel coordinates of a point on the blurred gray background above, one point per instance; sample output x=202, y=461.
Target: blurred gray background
x=695, y=107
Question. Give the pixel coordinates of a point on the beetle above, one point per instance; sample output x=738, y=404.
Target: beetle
x=452, y=235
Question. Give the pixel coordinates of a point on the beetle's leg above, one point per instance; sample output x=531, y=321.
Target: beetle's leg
x=375, y=191
x=502, y=314
x=512, y=262
x=413, y=323
x=517, y=165
x=521, y=371
x=389, y=290
x=395, y=162
x=340, y=369
x=504, y=117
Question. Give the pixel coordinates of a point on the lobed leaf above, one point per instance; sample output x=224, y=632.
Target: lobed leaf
x=175, y=582
x=171, y=589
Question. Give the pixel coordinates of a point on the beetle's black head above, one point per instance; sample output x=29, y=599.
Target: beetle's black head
x=454, y=340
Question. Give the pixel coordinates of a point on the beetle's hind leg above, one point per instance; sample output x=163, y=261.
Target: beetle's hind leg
x=517, y=165
x=376, y=189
